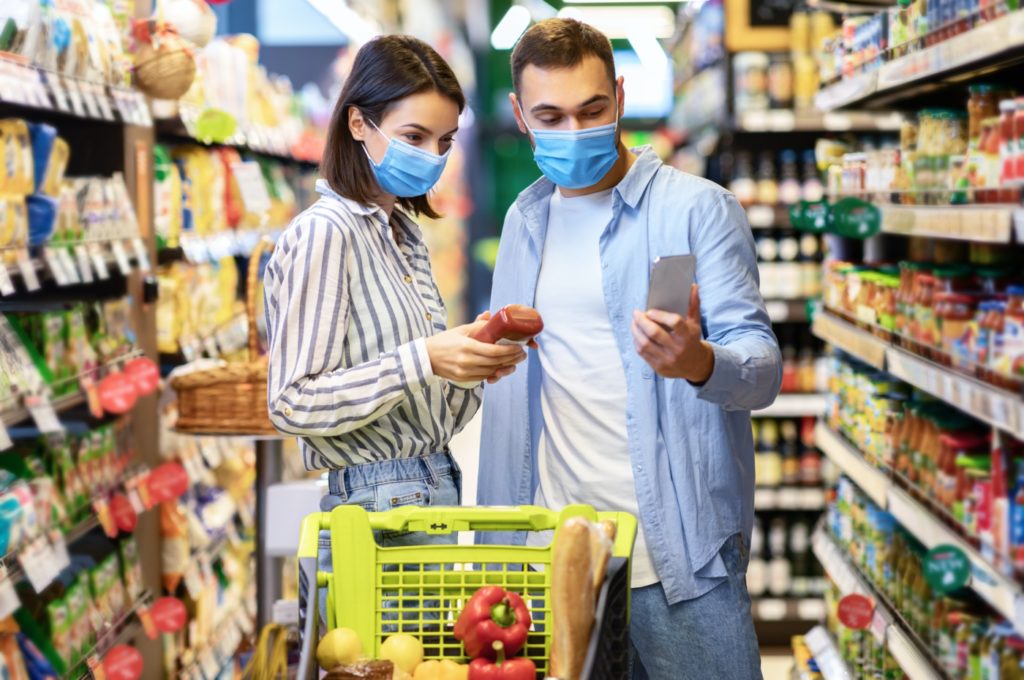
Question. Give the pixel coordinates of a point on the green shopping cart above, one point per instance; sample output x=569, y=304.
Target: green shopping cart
x=377, y=590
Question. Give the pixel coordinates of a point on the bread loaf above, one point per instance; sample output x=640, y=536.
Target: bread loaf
x=579, y=559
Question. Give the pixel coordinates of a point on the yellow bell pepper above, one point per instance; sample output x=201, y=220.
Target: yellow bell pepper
x=445, y=669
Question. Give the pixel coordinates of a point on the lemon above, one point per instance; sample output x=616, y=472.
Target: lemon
x=403, y=650
x=339, y=647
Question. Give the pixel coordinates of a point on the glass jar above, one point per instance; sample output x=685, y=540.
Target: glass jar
x=750, y=72
x=956, y=314
x=982, y=104
x=925, y=326
x=954, y=279
x=1007, y=141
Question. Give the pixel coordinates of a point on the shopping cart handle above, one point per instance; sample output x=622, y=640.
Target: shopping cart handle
x=446, y=520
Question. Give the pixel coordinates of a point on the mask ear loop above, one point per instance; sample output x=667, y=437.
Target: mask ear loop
x=363, y=144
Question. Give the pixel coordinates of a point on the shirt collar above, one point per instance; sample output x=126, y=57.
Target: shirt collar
x=630, y=189
x=411, y=229
x=355, y=207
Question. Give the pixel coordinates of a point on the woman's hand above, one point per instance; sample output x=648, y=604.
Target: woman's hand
x=456, y=356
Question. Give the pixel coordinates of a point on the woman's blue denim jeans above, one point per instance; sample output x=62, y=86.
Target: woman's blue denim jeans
x=434, y=479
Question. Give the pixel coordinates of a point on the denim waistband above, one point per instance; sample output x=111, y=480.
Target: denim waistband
x=431, y=467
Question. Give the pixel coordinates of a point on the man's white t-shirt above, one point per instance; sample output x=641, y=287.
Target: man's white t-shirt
x=584, y=444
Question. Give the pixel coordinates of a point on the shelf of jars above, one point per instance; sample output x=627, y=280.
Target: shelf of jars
x=992, y=577
x=912, y=63
x=887, y=626
x=1001, y=408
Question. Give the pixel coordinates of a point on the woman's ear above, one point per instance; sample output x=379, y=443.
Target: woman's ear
x=356, y=124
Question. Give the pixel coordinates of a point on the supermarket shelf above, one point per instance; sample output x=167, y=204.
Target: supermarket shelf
x=887, y=626
x=992, y=46
x=793, y=406
x=789, y=498
x=978, y=223
x=256, y=141
x=31, y=87
x=849, y=338
x=815, y=121
x=781, y=609
x=1000, y=408
x=121, y=631
x=787, y=311
x=826, y=655
x=20, y=414
x=875, y=483
x=201, y=249
x=999, y=589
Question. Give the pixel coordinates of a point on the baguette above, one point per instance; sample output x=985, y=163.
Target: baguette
x=602, y=538
x=573, y=598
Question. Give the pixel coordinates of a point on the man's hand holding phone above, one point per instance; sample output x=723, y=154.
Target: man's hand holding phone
x=673, y=345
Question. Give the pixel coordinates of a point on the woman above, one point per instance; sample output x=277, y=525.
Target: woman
x=361, y=367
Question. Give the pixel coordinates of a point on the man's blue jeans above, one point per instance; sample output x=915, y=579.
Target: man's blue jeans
x=708, y=638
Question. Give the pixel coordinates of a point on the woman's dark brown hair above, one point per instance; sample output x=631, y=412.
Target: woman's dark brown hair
x=386, y=70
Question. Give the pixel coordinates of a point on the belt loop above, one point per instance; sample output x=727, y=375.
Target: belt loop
x=435, y=478
x=336, y=484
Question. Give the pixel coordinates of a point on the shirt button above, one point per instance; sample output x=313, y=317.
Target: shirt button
x=288, y=411
x=430, y=317
x=408, y=279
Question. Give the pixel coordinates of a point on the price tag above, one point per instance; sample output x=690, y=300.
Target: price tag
x=69, y=265
x=28, y=271
x=37, y=572
x=59, y=548
x=105, y=109
x=75, y=94
x=60, y=95
x=84, y=266
x=89, y=97
x=41, y=410
x=9, y=602
x=6, y=285
x=99, y=261
x=141, y=254
x=56, y=266
x=5, y=442
x=252, y=187
x=121, y=256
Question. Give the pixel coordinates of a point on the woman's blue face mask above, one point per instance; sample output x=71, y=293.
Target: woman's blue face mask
x=575, y=159
x=406, y=171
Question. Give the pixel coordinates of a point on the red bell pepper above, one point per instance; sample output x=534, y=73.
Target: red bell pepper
x=520, y=668
x=493, y=615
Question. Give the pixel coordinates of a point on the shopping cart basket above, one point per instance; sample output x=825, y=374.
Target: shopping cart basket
x=375, y=590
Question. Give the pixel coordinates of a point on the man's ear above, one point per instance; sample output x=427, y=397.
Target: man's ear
x=356, y=124
x=620, y=94
x=517, y=112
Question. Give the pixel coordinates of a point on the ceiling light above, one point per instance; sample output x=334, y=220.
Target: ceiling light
x=621, y=21
x=346, y=20
x=512, y=25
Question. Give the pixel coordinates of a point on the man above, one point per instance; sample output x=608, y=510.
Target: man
x=624, y=409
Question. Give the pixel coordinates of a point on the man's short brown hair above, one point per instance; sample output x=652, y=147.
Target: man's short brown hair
x=560, y=43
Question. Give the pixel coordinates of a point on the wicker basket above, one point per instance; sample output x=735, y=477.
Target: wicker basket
x=167, y=70
x=230, y=399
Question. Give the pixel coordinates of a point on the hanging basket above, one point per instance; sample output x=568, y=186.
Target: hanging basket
x=232, y=399
x=164, y=66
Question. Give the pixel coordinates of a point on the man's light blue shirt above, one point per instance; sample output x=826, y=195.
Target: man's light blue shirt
x=691, y=447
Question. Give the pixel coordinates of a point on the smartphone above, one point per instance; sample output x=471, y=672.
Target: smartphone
x=671, y=280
